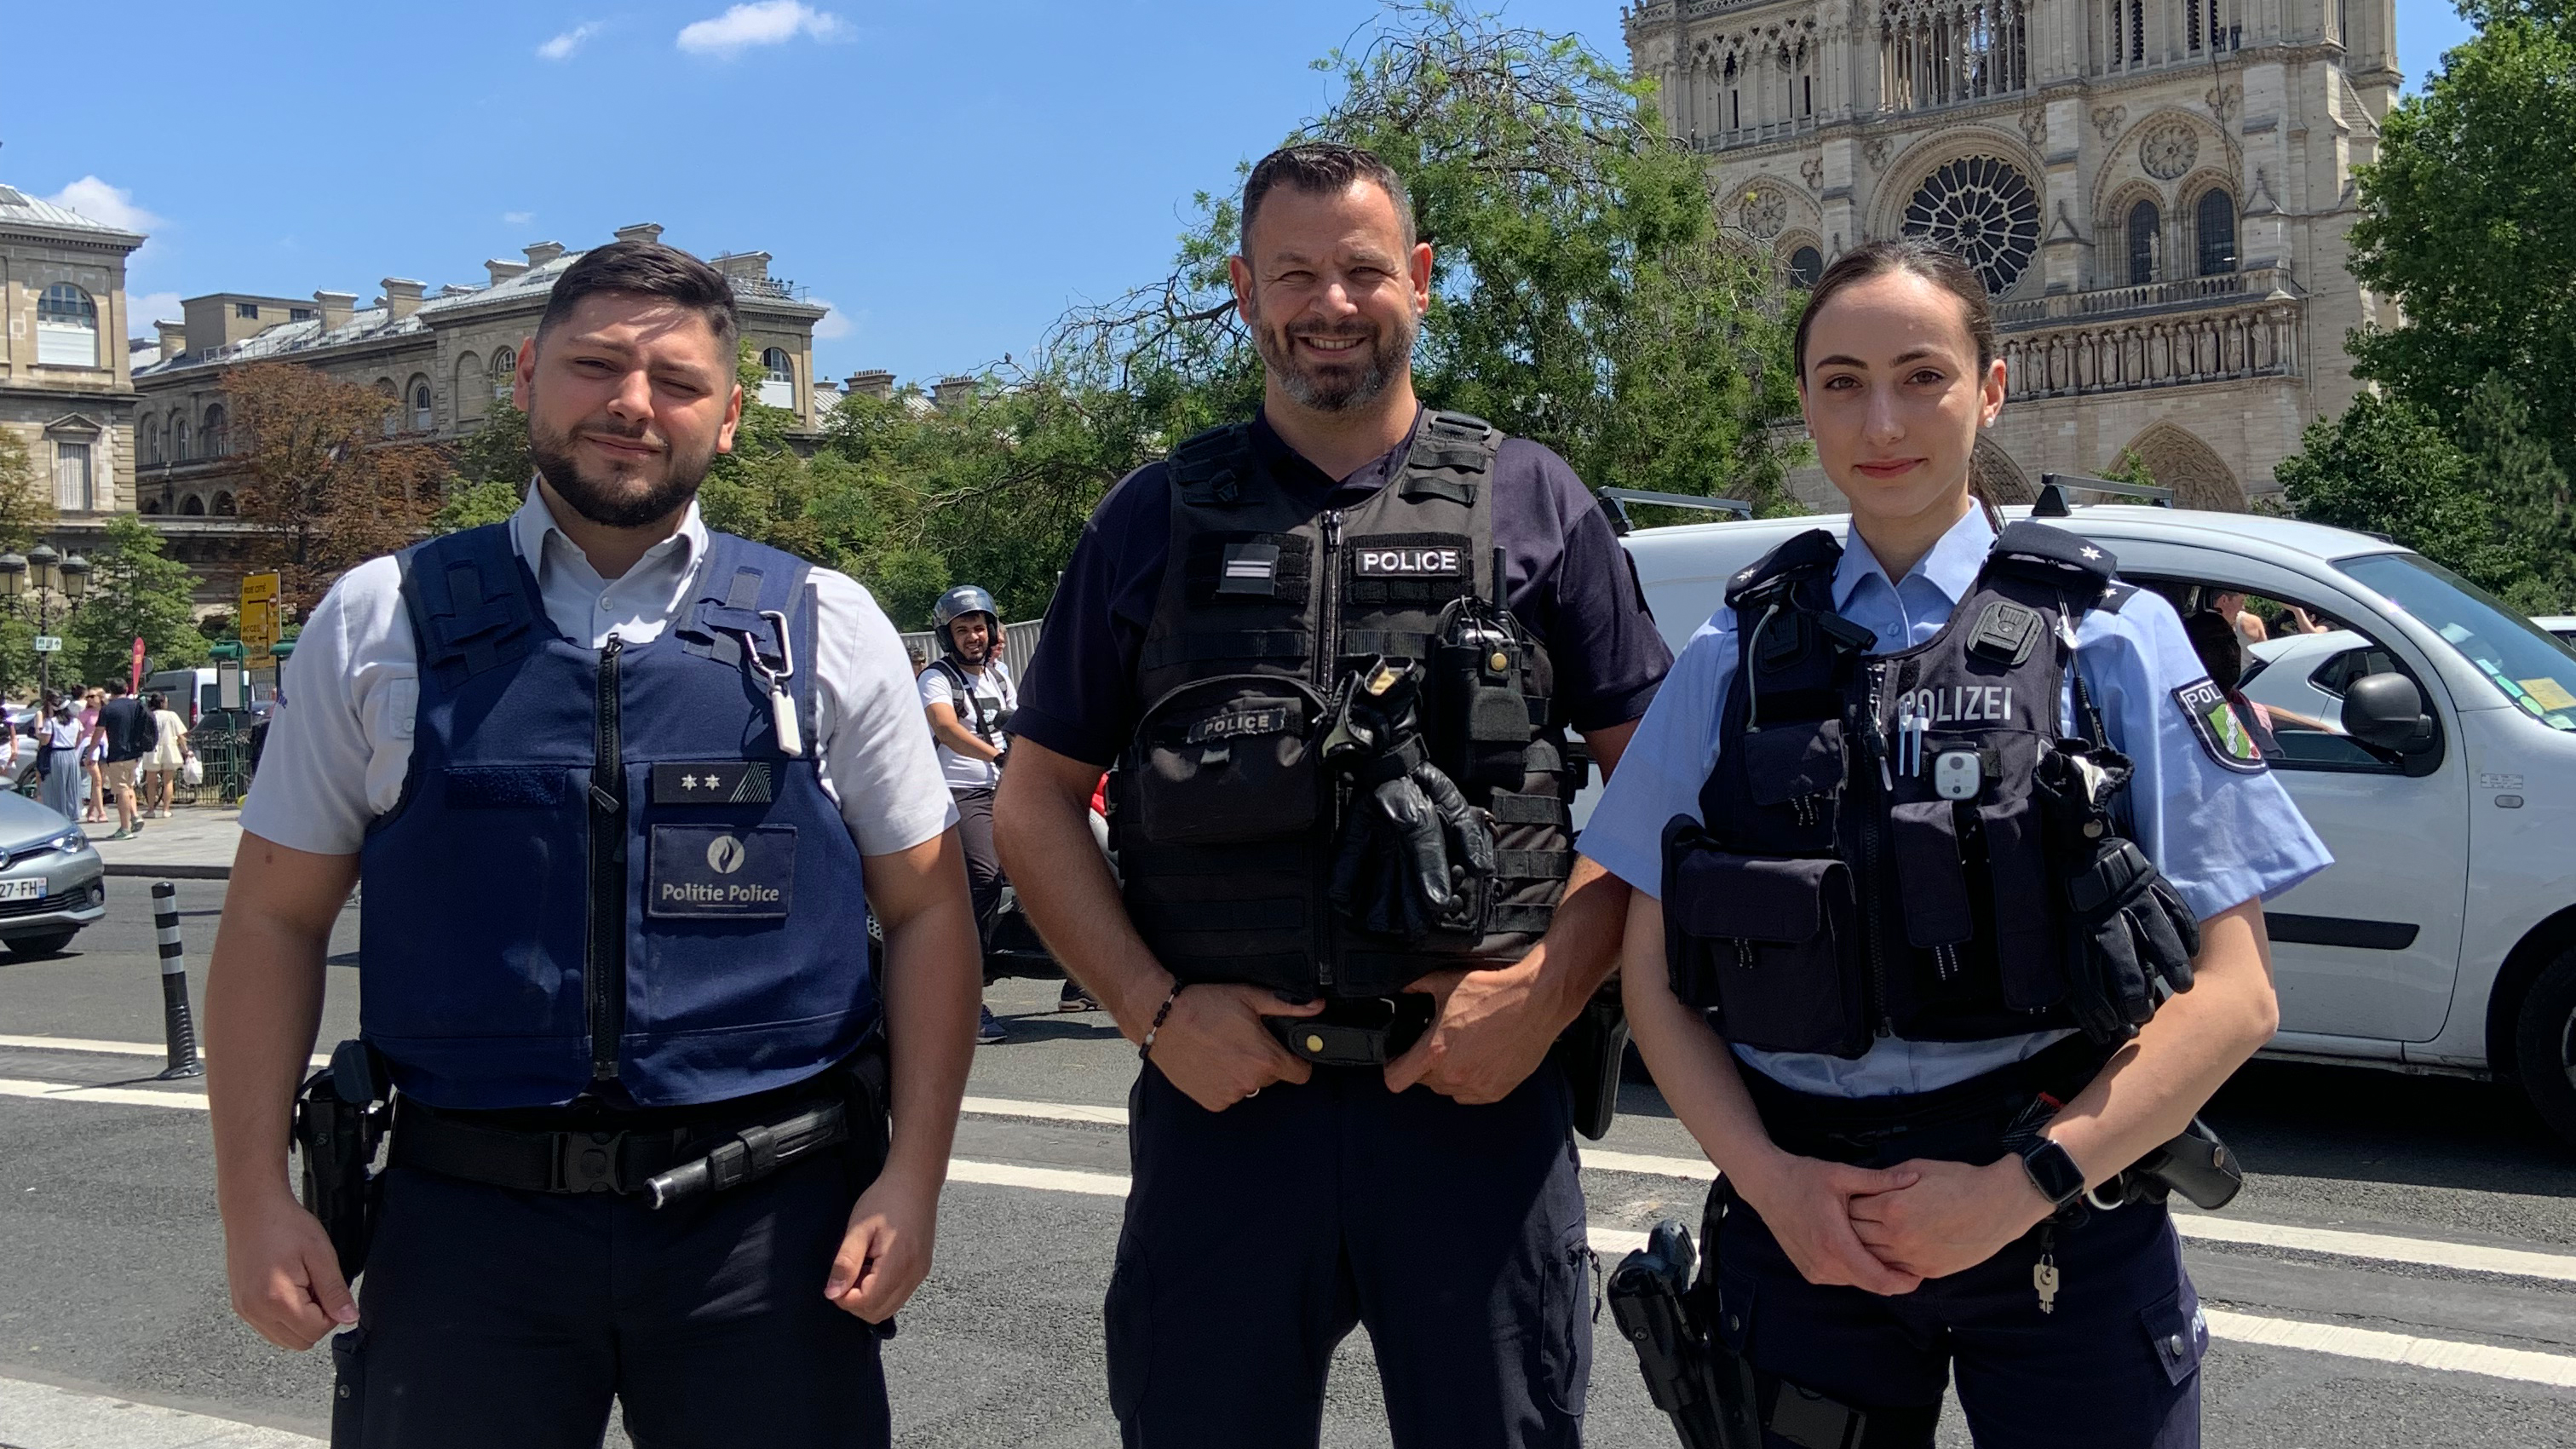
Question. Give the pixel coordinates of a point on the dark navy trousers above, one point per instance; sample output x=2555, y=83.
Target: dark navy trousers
x=495, y=1319
x=1257, y=1237
x=2115, y=1366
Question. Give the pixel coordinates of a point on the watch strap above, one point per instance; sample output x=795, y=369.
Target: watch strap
x=2053, y=1172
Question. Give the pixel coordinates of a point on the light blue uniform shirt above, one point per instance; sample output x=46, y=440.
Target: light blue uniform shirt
x=2221, y=837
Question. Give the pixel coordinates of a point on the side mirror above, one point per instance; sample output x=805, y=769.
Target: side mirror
x=2386, y=712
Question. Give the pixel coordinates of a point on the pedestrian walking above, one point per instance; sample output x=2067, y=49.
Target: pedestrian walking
x=171, y=752
x=125, y=735
x=1348, y=1110
x=60, y=738
x=622, y=793
x=1899, y=933
x=93, y=749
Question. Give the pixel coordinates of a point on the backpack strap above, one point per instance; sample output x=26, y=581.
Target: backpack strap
x=955, y=674
x=472, y=604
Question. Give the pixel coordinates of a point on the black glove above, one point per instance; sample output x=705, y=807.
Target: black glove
x=1410, y=848
x=2126, y=928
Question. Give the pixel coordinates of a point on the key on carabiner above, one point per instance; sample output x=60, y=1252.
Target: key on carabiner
x=782, y=708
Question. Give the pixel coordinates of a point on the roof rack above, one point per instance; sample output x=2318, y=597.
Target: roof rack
x=2052, y=492
x=1615, y=501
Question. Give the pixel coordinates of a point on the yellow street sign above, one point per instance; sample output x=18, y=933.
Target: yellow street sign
x=258, y=620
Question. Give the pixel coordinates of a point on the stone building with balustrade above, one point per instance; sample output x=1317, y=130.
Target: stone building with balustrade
x=2157, y=192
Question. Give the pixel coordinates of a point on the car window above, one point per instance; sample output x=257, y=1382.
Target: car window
x=2293, y=663
x=2525, y=664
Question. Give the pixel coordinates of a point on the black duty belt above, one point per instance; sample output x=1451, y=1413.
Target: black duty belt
x=664, y=1164
x=1963, y=1122
x=1361, y=1031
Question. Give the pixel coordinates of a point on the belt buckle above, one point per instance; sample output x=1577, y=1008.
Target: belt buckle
x=587, y=1161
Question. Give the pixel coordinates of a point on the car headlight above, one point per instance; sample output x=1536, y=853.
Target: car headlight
x=70, y=840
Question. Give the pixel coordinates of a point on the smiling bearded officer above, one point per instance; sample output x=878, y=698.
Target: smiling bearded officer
x=1336, y=654
x=613, y=784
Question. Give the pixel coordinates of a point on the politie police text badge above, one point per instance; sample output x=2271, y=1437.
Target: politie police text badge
x=2214, y=723
x=721, y=872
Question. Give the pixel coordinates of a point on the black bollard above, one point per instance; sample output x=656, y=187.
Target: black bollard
x=176, y=1024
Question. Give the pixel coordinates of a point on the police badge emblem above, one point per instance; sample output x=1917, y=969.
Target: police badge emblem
x=2223, y=737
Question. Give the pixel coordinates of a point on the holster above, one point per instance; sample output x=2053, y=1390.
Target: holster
x=1592, y=1049
x=340, y=1119
x=1661, y=1310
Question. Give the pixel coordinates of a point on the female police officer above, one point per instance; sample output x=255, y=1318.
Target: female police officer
x=1859, y=885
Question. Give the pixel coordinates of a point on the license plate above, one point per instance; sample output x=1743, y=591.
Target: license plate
x=22, y=890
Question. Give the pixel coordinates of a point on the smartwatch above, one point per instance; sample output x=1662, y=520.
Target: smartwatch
x=2053, y=1172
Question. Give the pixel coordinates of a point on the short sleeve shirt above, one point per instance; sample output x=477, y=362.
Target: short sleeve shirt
x=1565, y=576
x=994, y=693
x=339, y=743
x=2221, y=836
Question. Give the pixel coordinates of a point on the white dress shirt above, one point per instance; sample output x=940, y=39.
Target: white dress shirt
x=339, y=743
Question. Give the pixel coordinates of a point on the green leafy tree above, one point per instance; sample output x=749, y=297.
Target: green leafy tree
x=493, y=467
x=2386, y=466
x=25, y=511
x=134, y=592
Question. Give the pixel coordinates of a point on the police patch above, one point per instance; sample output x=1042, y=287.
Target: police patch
x=721, y=873
x=2222, y=735
x=738, y=782
x=1409, y=563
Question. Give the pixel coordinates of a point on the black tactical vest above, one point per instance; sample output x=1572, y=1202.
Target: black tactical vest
x=1871, y=861
x=1226, y=817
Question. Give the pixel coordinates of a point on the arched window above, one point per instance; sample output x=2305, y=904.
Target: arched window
x=2214, y=225
x=223, y=505
x=193, y=506
x=1983, y=209
x=470, y=385
x=421, y=417
x=151, y=505
x=218, y=434
x=178, y=439
x=505, y=374
x=1806, y=264
x=777, y=378
x=147, y=439
x=2144, y=222
x=66, y=327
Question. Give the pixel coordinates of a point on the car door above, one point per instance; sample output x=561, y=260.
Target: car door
x=2370, y=947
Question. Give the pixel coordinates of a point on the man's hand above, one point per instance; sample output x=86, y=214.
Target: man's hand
x=285, y=1278
x=886, y=1252
x=1215, y=1048
x=1951, y=1218
x=1489, y=1031
x=1808, y=1206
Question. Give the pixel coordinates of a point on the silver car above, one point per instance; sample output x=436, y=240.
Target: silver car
x=51, y=882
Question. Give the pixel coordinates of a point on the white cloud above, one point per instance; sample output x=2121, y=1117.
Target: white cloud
x=518, y=218
x=562, y=46
x=109, y=205
x=768, y=22
x=149, y=308
x=833, y=325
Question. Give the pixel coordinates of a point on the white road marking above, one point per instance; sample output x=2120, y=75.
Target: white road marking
x=41, y=1416
x=2201, y=1227
x=2443, y=1354
x=1044, y=1179
x=108, y=1048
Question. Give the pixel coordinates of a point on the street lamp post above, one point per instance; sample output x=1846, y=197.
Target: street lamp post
x=34, y=580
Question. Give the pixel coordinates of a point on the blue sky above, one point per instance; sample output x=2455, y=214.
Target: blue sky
x=949, y=177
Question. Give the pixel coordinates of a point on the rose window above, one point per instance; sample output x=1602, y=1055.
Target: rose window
x=1985, y=211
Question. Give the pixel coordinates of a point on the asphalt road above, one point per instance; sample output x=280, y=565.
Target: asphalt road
x=111, y=1278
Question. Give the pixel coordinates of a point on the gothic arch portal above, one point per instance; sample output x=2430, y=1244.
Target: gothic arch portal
x=1993, y=472
x=2188, y=466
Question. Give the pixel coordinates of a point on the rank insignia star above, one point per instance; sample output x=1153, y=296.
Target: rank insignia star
x=688, y=782
x=2091, y=553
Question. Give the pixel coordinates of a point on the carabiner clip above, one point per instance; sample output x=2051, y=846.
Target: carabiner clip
x=782, y=708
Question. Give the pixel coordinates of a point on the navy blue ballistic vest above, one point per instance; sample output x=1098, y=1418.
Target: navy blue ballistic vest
x=1871, y=860
x=604, y=876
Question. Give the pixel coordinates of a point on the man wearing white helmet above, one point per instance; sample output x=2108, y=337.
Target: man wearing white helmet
x=968, y=693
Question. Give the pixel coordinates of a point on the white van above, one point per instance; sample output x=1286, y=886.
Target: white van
x=2443, y=939
x=191, y=692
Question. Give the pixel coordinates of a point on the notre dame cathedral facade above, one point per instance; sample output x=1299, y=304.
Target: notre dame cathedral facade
x=2157, y=193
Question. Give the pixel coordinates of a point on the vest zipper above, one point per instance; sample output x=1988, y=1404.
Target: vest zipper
x=1328, y=650
x=604, y=966
x=1875, y=740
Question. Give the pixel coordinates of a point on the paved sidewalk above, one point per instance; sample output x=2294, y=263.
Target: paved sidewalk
x=40, y=1416
x=197, y=843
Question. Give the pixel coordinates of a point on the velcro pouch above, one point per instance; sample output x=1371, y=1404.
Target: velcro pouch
x=1765, y=943
x=1229, y=760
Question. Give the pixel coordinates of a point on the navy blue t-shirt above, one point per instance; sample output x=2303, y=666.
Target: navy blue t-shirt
x=1568, y=582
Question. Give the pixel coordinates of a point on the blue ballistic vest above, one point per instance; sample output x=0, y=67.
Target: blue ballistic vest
x=604, y=875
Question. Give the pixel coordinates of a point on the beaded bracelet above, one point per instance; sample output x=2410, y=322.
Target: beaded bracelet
x=1145, y=1048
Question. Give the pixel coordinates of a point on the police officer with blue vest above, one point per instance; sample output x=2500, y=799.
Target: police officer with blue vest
x=1948, y=918
x=1346, y=658
x=621, y=792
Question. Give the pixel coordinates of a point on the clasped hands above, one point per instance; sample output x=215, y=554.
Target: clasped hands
x=1885, y=1230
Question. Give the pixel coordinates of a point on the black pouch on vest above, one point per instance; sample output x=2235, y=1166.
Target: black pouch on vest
x=1229, y=760
x=1796, y=771
x=1761, y=941
x=1480, y=716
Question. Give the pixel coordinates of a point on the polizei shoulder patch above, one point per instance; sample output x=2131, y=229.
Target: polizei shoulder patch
x=2221, y=733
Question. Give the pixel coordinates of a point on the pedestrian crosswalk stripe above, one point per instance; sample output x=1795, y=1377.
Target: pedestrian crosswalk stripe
x=2440, y=1354
x=41, y=1416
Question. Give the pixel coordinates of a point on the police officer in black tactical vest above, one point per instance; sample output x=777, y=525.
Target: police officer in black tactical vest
x=1349, y=660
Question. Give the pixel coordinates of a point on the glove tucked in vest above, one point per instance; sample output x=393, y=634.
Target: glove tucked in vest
x=1229, y=818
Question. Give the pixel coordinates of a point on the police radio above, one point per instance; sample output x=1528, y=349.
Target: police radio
x=1482, y=721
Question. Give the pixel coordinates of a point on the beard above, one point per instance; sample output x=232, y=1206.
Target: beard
x=619, y=496
x=1340, y=387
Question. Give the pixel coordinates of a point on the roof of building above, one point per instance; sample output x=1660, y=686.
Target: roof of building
x=18, y=208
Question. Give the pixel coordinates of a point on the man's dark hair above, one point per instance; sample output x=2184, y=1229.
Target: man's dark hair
x=115, y=685
x=1323, y=168
x=647, y=269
